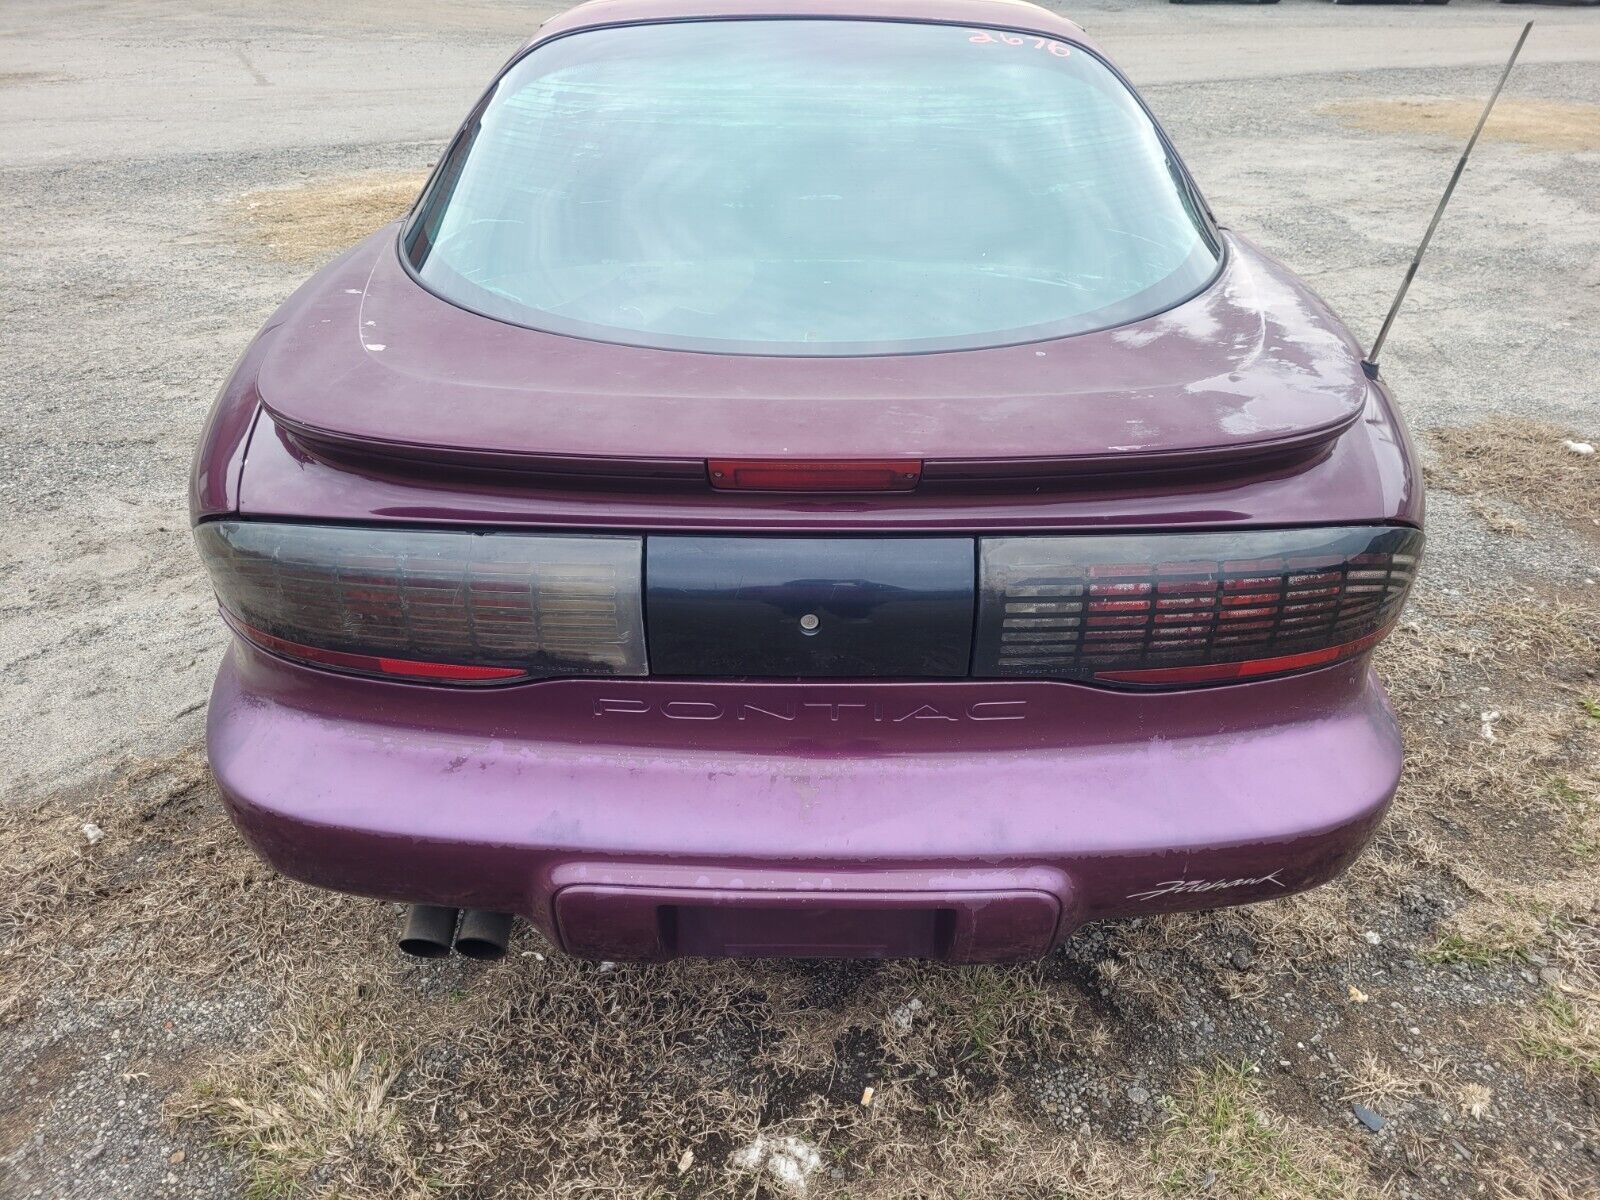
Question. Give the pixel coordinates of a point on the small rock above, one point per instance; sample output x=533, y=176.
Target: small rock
x=1138, y=1094
x=903, y=1016
x=1582, y=448
x=1372, y=937
x=1357, y=996
x=1550, y=976
x=788, y=1160
x=1367, y=1117
x=176, y=1157
x=1243, y=958
x=92, y=832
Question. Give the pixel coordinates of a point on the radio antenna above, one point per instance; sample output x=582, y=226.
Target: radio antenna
x=1371, y=363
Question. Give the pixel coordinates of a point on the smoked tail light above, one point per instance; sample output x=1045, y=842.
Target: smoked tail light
x=1179, y=610
x=441, y=606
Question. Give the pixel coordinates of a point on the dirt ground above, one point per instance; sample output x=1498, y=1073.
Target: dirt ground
x=176, y=1021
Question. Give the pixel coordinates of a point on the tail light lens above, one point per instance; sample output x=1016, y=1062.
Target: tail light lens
x=1176, y=610
x=441, y=606
x=1162, y=610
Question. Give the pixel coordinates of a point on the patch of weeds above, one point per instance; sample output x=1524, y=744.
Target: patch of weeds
x=993, y=1007
x=988, y=1019
x=1374, y=1082
x=1502, y=925
x=1219, y=1139
x=1539, y=124
x=312, y=222
x=1562, y=791
x=1562, y=1032
x=1580, y=809
x=1515, y=1178
x=1592, y=707
x=1496, y=520
x=324, y=1103
x=270, y=1181
x=1523, y=461
x=1454, y=948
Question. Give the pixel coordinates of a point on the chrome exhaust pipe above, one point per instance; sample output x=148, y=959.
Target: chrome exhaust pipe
x=429, y=930
x=483, y=935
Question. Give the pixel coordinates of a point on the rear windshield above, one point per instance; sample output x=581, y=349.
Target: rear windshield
x=811, y=187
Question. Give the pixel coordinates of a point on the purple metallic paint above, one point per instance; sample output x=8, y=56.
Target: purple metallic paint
x=1362, y=471
x=1251, y=363
x=1020, y=809
x=498, y=799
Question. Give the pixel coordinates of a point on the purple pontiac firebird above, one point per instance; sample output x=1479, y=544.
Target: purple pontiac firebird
x=805, y=479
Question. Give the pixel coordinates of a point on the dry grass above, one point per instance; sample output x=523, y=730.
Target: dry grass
x=1522, y=461
x=1565, y=1033
x=1565, y=1030
x=1374, y=1081
x=1517, y=1179
x=1538, y=124
x=1497, y=520
x=1517, y=810
x=310, y=223
x=1221, y=1139
x=327, y=1107
x=548, y=1076
x=527, y=1077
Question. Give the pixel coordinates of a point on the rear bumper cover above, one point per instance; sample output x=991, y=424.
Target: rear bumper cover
x=973, y=821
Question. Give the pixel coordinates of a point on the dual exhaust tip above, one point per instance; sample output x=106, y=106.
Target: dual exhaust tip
x=432, y=931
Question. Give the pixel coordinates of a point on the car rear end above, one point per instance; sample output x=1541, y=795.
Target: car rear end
x=811, y=648
x=948, y=745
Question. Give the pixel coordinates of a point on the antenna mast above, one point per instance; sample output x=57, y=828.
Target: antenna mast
x=1371, y=363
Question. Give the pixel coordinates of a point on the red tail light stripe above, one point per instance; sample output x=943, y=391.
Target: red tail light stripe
x=375, y=664
x=1248, y=669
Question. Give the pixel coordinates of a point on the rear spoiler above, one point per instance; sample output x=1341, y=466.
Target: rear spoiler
x=564, y=471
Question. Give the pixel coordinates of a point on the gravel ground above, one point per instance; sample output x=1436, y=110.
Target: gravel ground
x=129, y=131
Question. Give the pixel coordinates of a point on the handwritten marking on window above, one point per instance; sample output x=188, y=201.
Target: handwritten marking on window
x=1050, y=45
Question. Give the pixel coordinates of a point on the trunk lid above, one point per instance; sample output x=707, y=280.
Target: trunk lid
x=365, y=360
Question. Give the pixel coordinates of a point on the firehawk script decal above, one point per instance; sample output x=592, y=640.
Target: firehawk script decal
x=1173, y=887
x=837, y=712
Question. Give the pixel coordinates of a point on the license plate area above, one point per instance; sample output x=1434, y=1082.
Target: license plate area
x=832, y=931
x=852, y=608
x=651, y=923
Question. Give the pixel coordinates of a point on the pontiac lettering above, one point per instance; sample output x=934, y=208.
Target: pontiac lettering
x=834, y=712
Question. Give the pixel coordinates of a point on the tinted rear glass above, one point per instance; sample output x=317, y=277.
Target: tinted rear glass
x=811, y=187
